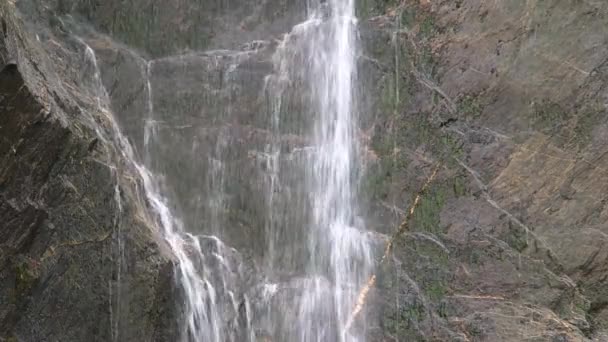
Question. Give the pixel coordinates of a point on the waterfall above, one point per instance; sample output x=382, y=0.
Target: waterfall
x=316, y=63
x=202, y=319
x=334, y=167
x=317, y=253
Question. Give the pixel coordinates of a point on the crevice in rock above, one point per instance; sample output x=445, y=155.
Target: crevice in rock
x=4, y=28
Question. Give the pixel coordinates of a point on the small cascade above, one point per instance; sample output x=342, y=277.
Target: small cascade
x=150, y=127
x=115, y=286
x=197, y=267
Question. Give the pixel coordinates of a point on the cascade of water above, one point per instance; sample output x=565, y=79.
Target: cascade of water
x=149, y=123
x=274, y=86
x=203, y=321
x=314, y=66
x=334, y=167
x=318, y=57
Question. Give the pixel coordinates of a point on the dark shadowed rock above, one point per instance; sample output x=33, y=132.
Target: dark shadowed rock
x=78, y=261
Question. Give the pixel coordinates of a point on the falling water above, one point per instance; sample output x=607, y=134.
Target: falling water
x=203, y=321
x=317, y=62
x=314, y=234
x=334, y=166
x=150, y=128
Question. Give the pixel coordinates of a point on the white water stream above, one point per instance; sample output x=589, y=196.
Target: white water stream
x=334, y=168
x=320, y=56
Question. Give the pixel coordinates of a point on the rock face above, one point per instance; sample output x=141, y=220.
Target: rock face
x=163, y=28
x=509, y=243
x=78, y=259
x=509, y=98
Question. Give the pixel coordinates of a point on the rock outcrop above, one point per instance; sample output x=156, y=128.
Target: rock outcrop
x=509, y=243
x=78, y=256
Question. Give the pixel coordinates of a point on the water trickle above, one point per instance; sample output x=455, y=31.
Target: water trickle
x=203, y=321
x=150, y=127
x=119, y=253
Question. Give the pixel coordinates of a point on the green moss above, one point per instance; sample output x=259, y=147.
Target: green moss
x=443, y=310
x=469, y=107
x=583, y=308
x=435, y=290
x=517, y=238
x=389, y=142
x=581, y=304
x=548, y=117
x=426, y=217
x=389, y=99
x=370, y=8
x=443, y=145
x=585, y=123
x=408, y=17
x=364, y=9
x=401, y=322
x=376, y=183
x=393, y=163
x=427, y=28
x=571, y=304
x=475, y=256
x=140, y=24
x=422, y=132
x=397, y=85
x=426, y=62
x=451, y=149
x=459, y=186
x=385, y=277
x=431, y=273
x=26, y=276
x=436, y=254
x=425, y=59
x=414, y=312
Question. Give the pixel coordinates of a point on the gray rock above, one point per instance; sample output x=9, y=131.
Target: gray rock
x=77, y=262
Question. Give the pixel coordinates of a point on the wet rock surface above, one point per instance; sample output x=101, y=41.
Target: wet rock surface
x=509, y=243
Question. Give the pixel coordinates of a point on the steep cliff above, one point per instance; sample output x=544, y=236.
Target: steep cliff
x=78, y=258
x=509, y=98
